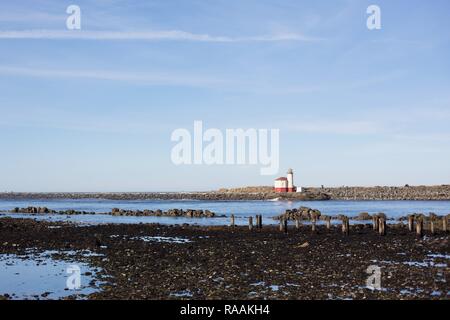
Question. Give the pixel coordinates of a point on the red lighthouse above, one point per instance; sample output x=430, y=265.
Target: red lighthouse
x=283, y=184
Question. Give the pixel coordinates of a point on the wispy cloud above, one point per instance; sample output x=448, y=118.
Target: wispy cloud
x=119, y=122
x=31, y=17
x=147, y=78
x=336, y=127
x=157, y=78
x=170, y=35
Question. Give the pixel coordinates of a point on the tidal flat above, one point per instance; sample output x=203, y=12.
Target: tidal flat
x=154, y=261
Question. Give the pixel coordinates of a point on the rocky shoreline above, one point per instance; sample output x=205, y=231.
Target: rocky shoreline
x=441, y=192
x=190, y=213
x=204, y=196
x=142, y=261
x=308, y=214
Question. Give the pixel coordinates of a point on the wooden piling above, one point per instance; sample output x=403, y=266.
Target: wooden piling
x=250, y=223
x=348, y=225
x=411, y=223
x=382, y=226
x=260, y=221
x=297, y=223
x=375, y=222
x=432, y=226
x=345, y=225
x=313, y=225
x=232, y=221
x=328, y=222
x=419, y=228
x=281, y=224
x=285, y=225
x=444, y=224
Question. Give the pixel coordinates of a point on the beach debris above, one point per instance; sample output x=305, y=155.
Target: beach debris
x=303, y=245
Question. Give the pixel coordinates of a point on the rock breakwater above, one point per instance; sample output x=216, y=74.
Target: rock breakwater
x=204, y=196
x=190, y=213
x=407, y=192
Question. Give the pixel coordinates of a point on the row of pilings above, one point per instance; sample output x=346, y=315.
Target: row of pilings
x=379, y=225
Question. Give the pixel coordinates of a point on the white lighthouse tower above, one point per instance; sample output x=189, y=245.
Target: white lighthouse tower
x=290, y=179
x=285, y=184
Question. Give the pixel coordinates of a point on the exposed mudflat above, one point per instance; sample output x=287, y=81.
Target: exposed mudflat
x=149, y=261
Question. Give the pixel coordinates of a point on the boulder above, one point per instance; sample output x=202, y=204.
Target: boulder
x=363, y=216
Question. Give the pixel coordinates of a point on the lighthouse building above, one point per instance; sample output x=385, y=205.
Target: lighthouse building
x=285, y=184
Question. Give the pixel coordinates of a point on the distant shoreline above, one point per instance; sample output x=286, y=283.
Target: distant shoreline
x=420, y=193
x=205, y=196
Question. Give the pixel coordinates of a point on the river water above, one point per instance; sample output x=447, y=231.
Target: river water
x=241, y=209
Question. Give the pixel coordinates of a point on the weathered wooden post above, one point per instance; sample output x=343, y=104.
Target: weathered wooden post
x=260, y=221
x=444, y=223
x=328, y=221
x=313, y=224
x=281, y=224
x=297, y=223
x=375, y=222
x=411, y=223
x=419, y=227
x=285, y=225
x=382, y=226
x=348, y=225
x=232, y=221
x=250, y=223
x=345, y=225
x=432, y=225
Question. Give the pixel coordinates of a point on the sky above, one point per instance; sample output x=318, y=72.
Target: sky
x=94, y=109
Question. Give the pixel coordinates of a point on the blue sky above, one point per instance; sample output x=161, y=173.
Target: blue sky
x=95, y=111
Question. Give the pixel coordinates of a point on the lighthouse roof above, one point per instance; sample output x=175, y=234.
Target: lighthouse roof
x=280, y=179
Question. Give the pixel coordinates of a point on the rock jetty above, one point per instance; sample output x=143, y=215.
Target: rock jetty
x=302, y=213
x=258, y=193
x=407, y=192
x=190, y=213
x=204, y=196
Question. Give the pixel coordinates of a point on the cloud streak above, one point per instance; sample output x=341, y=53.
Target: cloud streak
x=336, y=127
x=147, y=78
x=168, y=35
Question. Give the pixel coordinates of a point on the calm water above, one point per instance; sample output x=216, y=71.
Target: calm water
x=241, y=209
x=28, y=277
